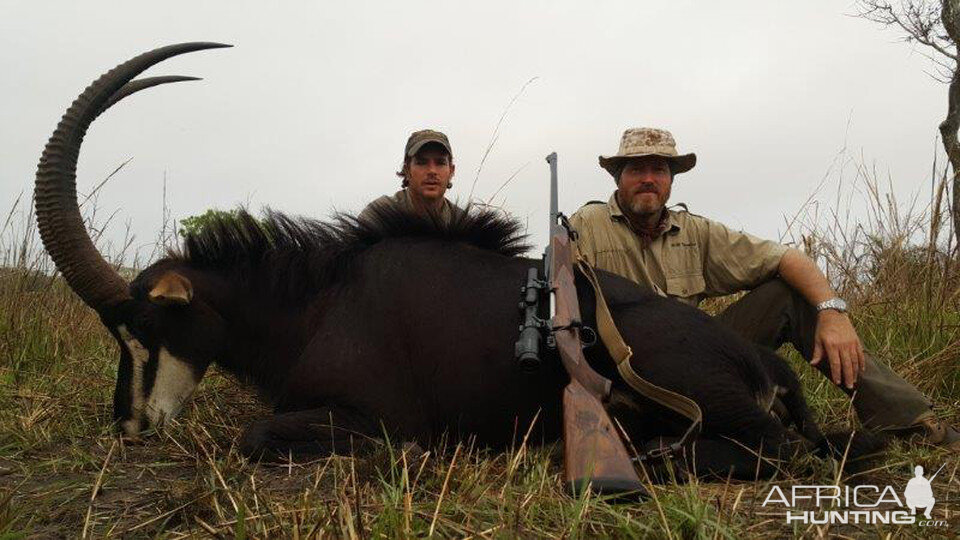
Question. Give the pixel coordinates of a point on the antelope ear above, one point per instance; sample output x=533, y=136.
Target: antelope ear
x=171, y=289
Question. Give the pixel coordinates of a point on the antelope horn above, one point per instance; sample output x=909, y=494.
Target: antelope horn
x=58, y=214
x=137, y=85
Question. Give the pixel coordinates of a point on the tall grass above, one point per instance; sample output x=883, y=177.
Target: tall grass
x=897, y=264
x=63, y=472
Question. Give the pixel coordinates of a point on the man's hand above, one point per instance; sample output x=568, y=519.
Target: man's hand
x=836, y=339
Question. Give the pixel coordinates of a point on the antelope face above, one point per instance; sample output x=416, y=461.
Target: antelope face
x=166, y=344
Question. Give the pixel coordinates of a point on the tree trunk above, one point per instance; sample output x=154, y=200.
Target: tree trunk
x=948, y=133
x=950, y=16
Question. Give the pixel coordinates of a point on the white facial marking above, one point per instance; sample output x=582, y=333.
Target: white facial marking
x=172, y=387
x=140, y=355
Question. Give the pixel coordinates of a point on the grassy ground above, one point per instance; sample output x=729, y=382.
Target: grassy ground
x=63, y=473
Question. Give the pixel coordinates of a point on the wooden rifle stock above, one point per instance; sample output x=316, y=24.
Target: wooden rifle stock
x=594, y=455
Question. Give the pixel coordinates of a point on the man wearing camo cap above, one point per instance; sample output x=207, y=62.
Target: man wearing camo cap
x=682, y=255
x=426, y=175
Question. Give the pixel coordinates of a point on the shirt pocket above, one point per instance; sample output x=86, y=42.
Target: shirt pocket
x=681, y=257
x=686, y=286
x=614, y=260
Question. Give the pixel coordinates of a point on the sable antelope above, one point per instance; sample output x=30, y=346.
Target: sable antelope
x=396, y=323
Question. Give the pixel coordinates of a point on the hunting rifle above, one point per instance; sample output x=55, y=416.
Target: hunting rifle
x=594, y=457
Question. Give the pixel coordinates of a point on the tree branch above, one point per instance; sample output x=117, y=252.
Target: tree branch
x=934, y=24
x=922, y=21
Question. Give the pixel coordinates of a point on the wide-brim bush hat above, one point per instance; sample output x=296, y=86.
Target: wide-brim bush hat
x=645, y=141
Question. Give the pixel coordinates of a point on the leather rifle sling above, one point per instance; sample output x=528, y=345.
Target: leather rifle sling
x=621, y=354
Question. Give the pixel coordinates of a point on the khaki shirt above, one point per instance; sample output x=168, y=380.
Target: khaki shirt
x=693, y=259
x=402, y=198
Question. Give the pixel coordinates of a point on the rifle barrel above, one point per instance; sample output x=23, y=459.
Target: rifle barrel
x=548, y=254
x=554, y=203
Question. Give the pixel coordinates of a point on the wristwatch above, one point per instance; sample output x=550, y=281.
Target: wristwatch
x=836, y=303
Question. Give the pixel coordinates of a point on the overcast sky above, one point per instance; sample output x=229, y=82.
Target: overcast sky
x=310, y=110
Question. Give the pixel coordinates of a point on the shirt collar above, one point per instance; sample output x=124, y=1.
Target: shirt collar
x=673, y=225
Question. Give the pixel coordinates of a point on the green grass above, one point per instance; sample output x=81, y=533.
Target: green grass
x=56, y=379
x=64, y=473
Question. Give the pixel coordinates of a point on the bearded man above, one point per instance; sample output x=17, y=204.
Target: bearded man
x=689, y=257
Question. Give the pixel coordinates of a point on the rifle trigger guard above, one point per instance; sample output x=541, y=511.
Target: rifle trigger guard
x=588, y=337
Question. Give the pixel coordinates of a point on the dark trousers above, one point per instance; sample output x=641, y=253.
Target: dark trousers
x=774, y=314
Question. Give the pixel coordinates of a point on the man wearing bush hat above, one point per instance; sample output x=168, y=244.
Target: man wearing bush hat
x=688, y=257
x=426, y=174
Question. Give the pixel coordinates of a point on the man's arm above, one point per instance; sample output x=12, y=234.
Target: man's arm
x=835, y=336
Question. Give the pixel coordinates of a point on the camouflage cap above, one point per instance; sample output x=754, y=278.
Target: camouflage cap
x=423, y=137
x=644, y=141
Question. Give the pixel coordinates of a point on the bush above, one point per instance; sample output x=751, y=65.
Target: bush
x=194, y=224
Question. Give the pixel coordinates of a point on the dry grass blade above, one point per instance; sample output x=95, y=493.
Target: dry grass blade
x=207, y=527
x=443, y=490
x=98, y=187
x=96, y=489
x=496, y=133
x=506, y=182
x=13, y=209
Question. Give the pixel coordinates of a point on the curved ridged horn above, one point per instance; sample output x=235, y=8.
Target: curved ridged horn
x=58, y=215
x=137, y=85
